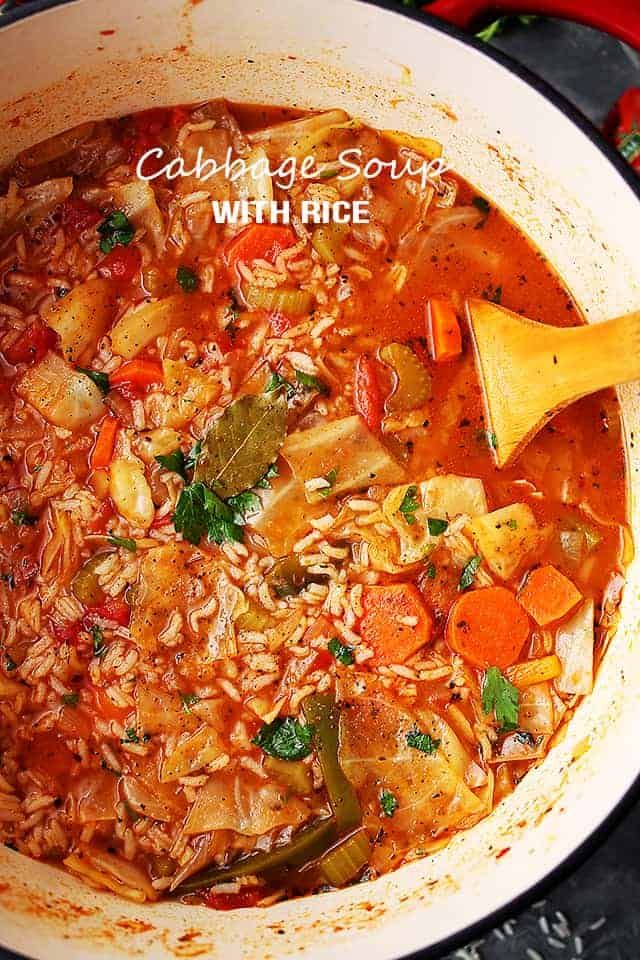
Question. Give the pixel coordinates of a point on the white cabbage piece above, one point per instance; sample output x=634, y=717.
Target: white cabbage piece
x=344, y=449
x=115, y=873
x=443, y=498
x=574, y=647
x=191, y=754
x=244, y=803
x=374, y=754
x=60, y=393
x=138, y=201
x=82, y=317
x=507, y=538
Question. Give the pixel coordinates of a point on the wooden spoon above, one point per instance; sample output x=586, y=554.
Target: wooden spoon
x=530, y=371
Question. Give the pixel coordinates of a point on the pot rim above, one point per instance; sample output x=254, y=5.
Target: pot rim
x=623, y=806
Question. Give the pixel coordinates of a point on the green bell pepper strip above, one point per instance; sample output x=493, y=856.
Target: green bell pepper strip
x=322, y=712
x=307, y=845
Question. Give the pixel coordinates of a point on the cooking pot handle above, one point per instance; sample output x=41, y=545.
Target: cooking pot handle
x=618, y=17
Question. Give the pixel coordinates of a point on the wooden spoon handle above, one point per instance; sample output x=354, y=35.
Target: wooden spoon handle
x=589, y=358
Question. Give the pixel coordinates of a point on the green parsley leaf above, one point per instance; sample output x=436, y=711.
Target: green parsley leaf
x=388, y=803
x=174, y=461
x=341, y=652
x=99, y=646
x=275, y=381
x=629, y=146
x=115, y=230
x=309, y=382
x=468, y=574
x=188, y=700
x=497, y=27
x=501, y=697
x=285, y=739
x=331, y=478
x=101, y=380
x=244, y=506
x=70, y=699
x=22, y=518
x=125, y=542
x=130, y=736
x=61, y=292
x=512, y=524
x=191, y=458
x=187, y=279
x=199, y=511
x=423, y=742
x=409, y=505
x=430, y=571
x=482, y=204
x=272, y=471
x=9, y=664
x=436, y=526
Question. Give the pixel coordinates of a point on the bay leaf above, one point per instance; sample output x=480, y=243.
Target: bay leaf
x=243, y=443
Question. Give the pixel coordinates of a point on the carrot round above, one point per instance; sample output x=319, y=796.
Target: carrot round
x=260, y=241
x=443, y=331
x=140, y=373
x=548, y=595
x=395, y=622
x=487, y=627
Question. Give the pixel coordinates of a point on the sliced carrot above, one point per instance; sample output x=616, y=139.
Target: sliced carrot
x=487, y=627
x=548, y=595
x=260, y=241
x=140, y=373
x=395, y=622
x=367, y=396
x=105, y=442
x=443, y=331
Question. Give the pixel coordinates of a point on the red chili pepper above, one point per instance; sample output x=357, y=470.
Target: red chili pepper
x=111, y=609
x=78, y=215
x=622, y=126
x=367, y=396
x=32, y=344
x=123, y=263
x=248, y=897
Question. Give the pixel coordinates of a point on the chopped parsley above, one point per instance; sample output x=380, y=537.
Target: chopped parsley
x=469, y=571
x=275, y=382
x=174, y=461
x=9, y=664
x=22, y=518
x=99, y=646
x=331, y=478
x=200, y=510
x=130, y=736
x=430, y=571
x=310, y=382
x=409, y=505
x=436, y=526
x=115, y=230
x=285, y=739
x=244, y=506
x=191, y=458
x=272, y=471
x=101, y=380
x=388, y=803
x=500, y=697
x=187, y=279
x=341, y=652
x=70, y=699
x=512, y=524
x=188, y=700
x=125, y=542
x=423, y=742
x=61, y=292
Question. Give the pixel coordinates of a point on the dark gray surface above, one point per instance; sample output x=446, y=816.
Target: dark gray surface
x=591, y=70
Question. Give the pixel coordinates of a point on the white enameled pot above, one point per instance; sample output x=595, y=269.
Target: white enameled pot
x=91, y=59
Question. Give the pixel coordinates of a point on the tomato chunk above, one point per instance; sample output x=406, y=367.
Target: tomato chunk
x=123, y=263
x=32, y=344
x=367, y=396
x=234, y=901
